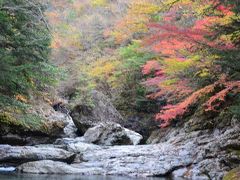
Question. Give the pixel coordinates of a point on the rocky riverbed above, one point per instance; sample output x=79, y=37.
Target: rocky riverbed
x=107, y=148
x=195, y=155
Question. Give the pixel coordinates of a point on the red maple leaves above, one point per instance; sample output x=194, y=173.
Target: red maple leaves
x=152, y=66
x=217, y=99
x=173, y=41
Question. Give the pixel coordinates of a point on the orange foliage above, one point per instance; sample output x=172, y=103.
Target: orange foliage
x=172, y=91
x=21, y=98
x=173, y=41
x=171, y=112
x=170, y=39
x=135, y=21
x=216, y=101
x=151, y=66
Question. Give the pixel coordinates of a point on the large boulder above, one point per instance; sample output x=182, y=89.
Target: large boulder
x=76, y=145
x=102, y=110
x=143, y=123
x=20, y=129
x=32, y=129
x=48, y=167
x=69, y=129
x=20, y=154
x=110, y=134
x=161, y=135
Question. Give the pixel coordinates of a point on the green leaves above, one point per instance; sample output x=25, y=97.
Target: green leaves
x=24, y=48
x=133, y=58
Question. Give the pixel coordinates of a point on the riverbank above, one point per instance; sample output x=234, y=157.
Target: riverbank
x=202, y=154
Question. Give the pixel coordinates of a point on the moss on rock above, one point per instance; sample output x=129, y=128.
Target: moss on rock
x=28, y=124
x=233, y=174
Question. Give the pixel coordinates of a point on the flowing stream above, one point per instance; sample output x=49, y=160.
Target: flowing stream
x=15, y=176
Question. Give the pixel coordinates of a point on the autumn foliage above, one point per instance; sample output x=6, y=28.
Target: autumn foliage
x=193, y=43
x=135, y=21
x=178, y=50
x=184, y=46
x=217, y=99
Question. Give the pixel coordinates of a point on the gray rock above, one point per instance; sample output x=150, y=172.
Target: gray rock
x=133, y=136
x=76, y=145
x=103, y=110
x=47, y=167
x=194, y=155
x=14, y=133
x=161, y=135
x=111, y=134
x=66, y=141
x=179, y=172
x=82, y=147
x=13, y=139
x=56, y=125
x=144, y=160
x=18, y=154
x=69, y=129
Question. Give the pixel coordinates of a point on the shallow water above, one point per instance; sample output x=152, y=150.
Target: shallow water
x=15, y=176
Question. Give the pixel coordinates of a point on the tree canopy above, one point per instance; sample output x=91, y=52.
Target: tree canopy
x=24, y=48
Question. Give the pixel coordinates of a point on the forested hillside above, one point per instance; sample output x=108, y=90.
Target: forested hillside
x=177, y=56
x=162, y=68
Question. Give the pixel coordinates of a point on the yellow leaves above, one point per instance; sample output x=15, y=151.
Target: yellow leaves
x=74, y=41
x=168, y=82
x=6, y=118
x=165, y=5
x=120, y=36
x=201, y=9
x=66, y=36
x=99, y=2
x=129, y=25
x=169, y=3
x=197, y=7
x=21, y=98
x=195, y=58
x=135, y=21
x=225, y=20
x=203, y=73
x=103, y=68
x=63, y=21
x=139, y=7
x=225, y=38
x=174, y=66
x=55, y=42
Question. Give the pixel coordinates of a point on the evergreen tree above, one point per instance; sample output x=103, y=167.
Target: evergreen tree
x=24, y=47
